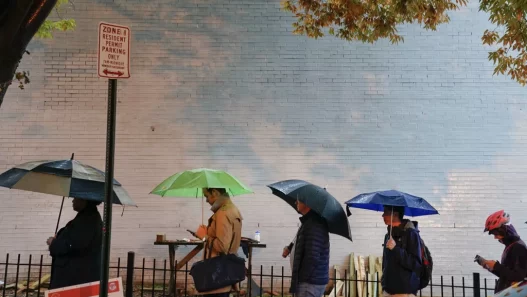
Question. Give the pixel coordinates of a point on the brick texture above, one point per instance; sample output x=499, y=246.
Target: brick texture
x=225, y=84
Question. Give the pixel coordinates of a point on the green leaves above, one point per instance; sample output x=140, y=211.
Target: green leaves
x=46, y=31
x=23, y=79
x=511, y=56
x=369, y=20
x=48, y=27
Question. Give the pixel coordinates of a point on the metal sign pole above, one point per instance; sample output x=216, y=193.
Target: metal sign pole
x=108, y=187
x=113, y=62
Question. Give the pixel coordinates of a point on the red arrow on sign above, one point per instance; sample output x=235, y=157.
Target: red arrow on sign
x=118, y=73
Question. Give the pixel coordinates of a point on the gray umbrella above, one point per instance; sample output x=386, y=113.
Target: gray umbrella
x=316, y=198
x=66, y=178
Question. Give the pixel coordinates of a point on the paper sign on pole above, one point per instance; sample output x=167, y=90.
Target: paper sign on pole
x=115, y=289
x=114, y=51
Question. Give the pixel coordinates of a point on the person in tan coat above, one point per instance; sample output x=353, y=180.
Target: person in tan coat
x=223, y=233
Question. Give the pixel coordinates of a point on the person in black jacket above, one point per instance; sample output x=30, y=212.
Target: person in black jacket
x=76, y=249
x=401, y=259
x=513, y=266
x=310, y=255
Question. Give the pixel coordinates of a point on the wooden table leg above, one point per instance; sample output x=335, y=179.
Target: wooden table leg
x=188, y=257
x=172, y=260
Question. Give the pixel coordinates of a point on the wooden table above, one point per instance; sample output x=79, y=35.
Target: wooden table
x=198, y=246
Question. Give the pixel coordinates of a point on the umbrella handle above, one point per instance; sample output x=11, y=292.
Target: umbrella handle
x=60, y=213
x=62, y=204
x=391, y=224
x=294, y=239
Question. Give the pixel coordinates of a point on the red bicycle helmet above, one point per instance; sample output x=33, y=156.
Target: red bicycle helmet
x=496, y=220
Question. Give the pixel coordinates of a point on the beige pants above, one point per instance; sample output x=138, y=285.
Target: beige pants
x=384, y=294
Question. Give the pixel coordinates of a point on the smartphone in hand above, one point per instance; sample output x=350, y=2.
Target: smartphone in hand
x=480, y=260
x=193, y=233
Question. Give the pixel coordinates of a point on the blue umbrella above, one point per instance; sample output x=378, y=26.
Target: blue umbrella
x=413, y=206
x=518, y=289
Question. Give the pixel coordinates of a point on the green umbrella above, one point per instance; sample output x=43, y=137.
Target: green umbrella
x=190, y=183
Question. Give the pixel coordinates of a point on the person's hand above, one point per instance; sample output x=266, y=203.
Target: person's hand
x=390, y=244
x=202, y=231
x=489, y=264
x=50, y=240
x=286, y=252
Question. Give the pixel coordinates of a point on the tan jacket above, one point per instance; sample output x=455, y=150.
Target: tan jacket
x=224, y=225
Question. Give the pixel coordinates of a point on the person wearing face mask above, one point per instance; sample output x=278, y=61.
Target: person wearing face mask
x=513, y=265
x=223, y=233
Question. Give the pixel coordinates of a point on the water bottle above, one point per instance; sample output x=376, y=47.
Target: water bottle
x=257, y=236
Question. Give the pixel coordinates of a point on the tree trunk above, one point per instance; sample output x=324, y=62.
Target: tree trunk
x=19, y=22
x=3, y=90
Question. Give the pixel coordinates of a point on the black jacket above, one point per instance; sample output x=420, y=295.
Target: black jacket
x=513, y=266
x=311, y=255
x=401, y=266
x=76, y=250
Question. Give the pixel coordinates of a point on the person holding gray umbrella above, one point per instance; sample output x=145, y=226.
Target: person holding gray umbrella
x=76, y=249
x=309, y=254
x=321, y=214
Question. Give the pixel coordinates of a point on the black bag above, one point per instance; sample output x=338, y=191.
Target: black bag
x=218, y=272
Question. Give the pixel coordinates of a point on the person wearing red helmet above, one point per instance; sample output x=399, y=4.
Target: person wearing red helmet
x=513, y=266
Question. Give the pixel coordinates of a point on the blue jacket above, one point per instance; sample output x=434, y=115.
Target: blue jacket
x=401, y=266
x=311, y=255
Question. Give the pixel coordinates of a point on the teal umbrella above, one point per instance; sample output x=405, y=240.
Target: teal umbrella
x=318, y=199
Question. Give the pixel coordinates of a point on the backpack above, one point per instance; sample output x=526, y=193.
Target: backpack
x=428, y=264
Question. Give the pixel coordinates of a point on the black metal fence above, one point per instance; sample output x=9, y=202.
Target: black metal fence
x=30, y=277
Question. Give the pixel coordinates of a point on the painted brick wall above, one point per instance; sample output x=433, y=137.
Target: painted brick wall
x=225, y=84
